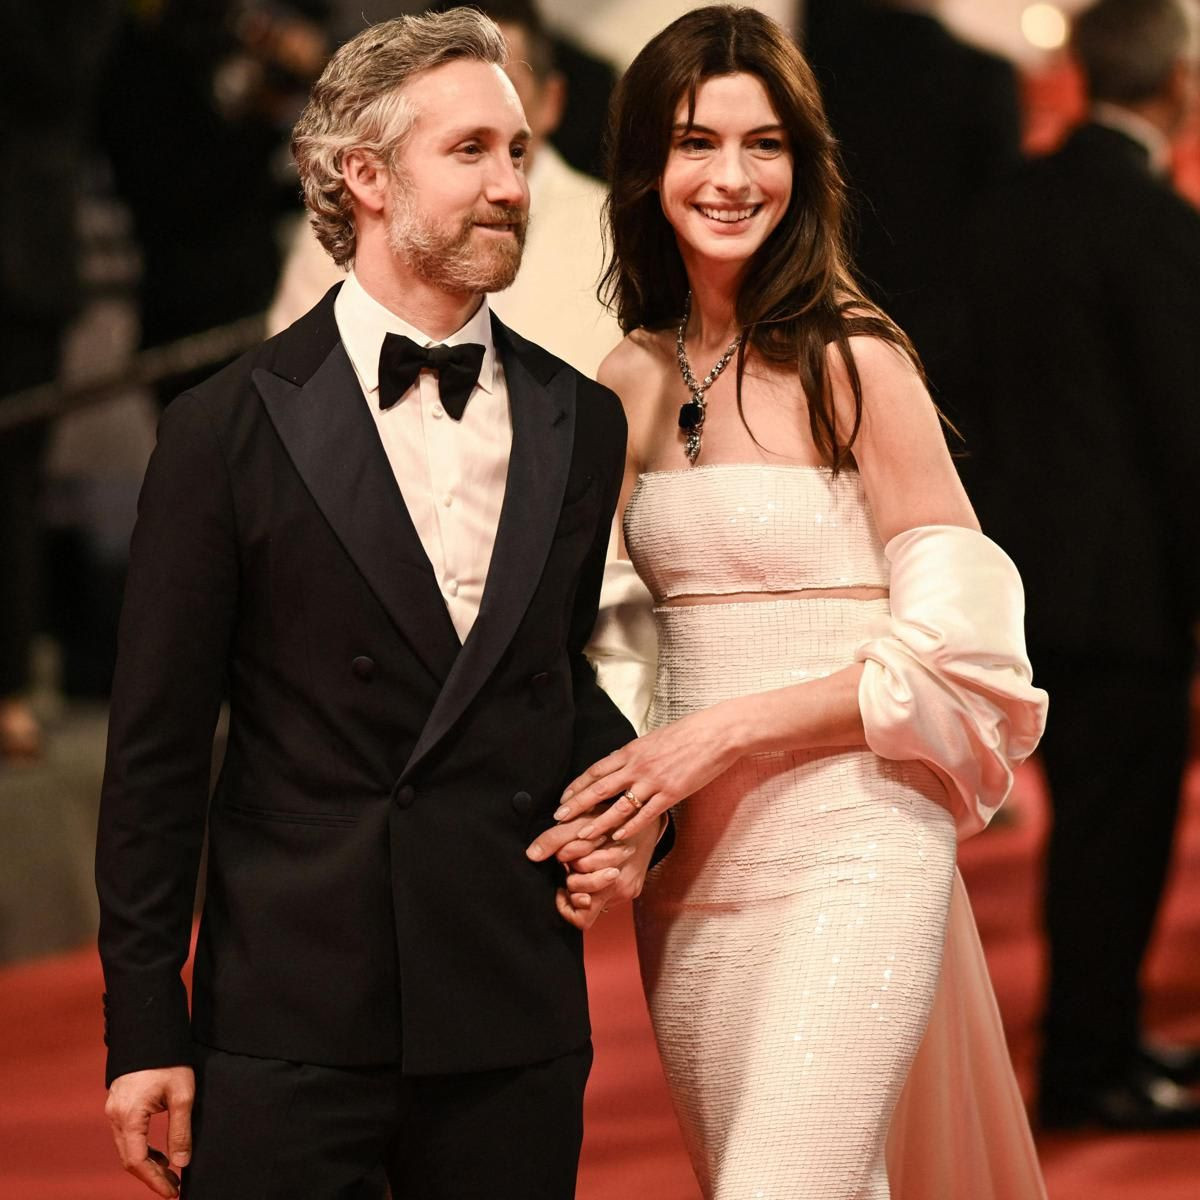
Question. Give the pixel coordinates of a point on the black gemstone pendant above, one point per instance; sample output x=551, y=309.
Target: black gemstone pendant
x=690, y=415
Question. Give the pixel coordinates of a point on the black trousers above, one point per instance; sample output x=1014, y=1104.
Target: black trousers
x=264, y=1129
x=1114, y=754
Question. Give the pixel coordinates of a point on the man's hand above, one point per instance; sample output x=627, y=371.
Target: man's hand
x=132, y=1100
x=611, y=874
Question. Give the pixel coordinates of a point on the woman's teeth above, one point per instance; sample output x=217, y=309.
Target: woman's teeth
x=728, y=215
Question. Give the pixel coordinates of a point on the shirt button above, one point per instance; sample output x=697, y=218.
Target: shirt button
x=452, y=587
x=522, y=802
x=447, y=500
x=438, y=411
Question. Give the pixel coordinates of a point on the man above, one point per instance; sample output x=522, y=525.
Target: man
x=1084, y=443
x=553, y=300
x=381, y=977
x=926, y=123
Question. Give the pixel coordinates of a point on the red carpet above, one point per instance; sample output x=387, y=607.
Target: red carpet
x=54, y=1144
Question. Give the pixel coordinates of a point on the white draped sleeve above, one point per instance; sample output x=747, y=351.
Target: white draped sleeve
x=624, y=644
x=948, y=682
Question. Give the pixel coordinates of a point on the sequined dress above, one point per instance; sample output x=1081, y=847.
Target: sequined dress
x=791, y=944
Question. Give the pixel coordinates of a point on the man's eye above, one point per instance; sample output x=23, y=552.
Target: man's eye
x=471, y=148
x=519, y=151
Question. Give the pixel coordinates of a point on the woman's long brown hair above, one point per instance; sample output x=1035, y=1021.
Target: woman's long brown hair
x=798, y=295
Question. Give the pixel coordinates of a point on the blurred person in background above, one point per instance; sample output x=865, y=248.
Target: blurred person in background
x=553, y=300
x=193, y=106
x=50, y=62
x=1083, y=432
x=925, y=124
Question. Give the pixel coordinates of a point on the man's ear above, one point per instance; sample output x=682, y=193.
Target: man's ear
x=366, y=178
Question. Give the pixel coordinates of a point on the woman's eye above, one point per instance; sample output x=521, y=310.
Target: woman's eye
x=768, y=145
x=694, y=143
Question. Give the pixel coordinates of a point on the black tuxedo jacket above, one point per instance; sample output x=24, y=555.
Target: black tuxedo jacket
x=925, y=124
x=368, y=897
x=1083, y=415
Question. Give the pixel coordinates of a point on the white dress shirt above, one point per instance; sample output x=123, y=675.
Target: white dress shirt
x=1136, y=127
x=450, y=473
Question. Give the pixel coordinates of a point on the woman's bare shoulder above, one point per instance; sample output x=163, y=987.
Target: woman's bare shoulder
x=633, y=367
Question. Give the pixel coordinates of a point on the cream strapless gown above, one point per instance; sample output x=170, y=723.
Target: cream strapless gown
x=815, y=981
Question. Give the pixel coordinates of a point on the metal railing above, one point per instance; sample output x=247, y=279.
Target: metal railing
x=143, y=369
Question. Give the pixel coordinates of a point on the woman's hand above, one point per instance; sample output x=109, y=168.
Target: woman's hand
x=614, y=873
x=649, y=776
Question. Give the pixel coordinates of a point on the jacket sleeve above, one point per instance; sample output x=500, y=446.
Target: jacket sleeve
x=947, y=681
x=173, y=648
x=600, y=727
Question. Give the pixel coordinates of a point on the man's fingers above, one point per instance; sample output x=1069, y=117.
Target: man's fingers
x=609, y=855
x=580, y=918
x=573, y=851
x=140, y=1160
x=593, y=882
x=179, y=1127
x=154, y=1173
x=550, y=841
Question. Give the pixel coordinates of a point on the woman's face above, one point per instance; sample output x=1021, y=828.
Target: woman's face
x=728, y=176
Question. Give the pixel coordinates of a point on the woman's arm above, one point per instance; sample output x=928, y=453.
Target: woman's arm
x=909, y=480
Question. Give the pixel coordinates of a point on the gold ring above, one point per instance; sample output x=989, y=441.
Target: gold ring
x=628, y=794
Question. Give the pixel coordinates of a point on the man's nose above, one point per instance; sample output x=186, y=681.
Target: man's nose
x=506, y=184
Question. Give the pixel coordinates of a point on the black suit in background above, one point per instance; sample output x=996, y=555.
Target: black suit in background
x=369, y=906
x=925, y=123
x=1084, y=440
x=50, y=64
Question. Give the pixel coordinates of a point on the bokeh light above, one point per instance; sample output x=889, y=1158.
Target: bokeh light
x=1044, y=26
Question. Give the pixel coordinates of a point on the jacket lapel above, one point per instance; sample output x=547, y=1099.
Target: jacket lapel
x=332, y=441
x=542, y=402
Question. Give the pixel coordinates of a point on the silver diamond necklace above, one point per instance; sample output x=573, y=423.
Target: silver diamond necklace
x=691, y=414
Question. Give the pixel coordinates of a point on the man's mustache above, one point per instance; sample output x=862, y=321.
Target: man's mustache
x=503, y=214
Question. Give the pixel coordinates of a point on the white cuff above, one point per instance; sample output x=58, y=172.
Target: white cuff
x=947, y=680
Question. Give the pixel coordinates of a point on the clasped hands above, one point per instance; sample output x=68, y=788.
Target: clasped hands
x=611, y=816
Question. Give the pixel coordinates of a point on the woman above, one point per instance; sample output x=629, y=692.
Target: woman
x=842, y=684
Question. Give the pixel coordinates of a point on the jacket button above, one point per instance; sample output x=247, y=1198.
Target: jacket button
x=523, y=803
x=404, y=796
x=539, y=680
x=363, y=667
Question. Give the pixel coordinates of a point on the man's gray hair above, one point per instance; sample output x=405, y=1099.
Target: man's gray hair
x=357, y=104
x=1128, y=48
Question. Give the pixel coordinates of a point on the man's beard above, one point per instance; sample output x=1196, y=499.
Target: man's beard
x=454, y=257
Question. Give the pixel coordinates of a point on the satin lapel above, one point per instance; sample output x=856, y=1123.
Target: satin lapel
x=334, y=445
x=543, y=420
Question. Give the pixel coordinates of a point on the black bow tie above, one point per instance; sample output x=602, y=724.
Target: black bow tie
x=401, y=361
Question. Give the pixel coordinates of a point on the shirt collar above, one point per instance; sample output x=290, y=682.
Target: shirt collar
x=1147, y=135
x=363, y=323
